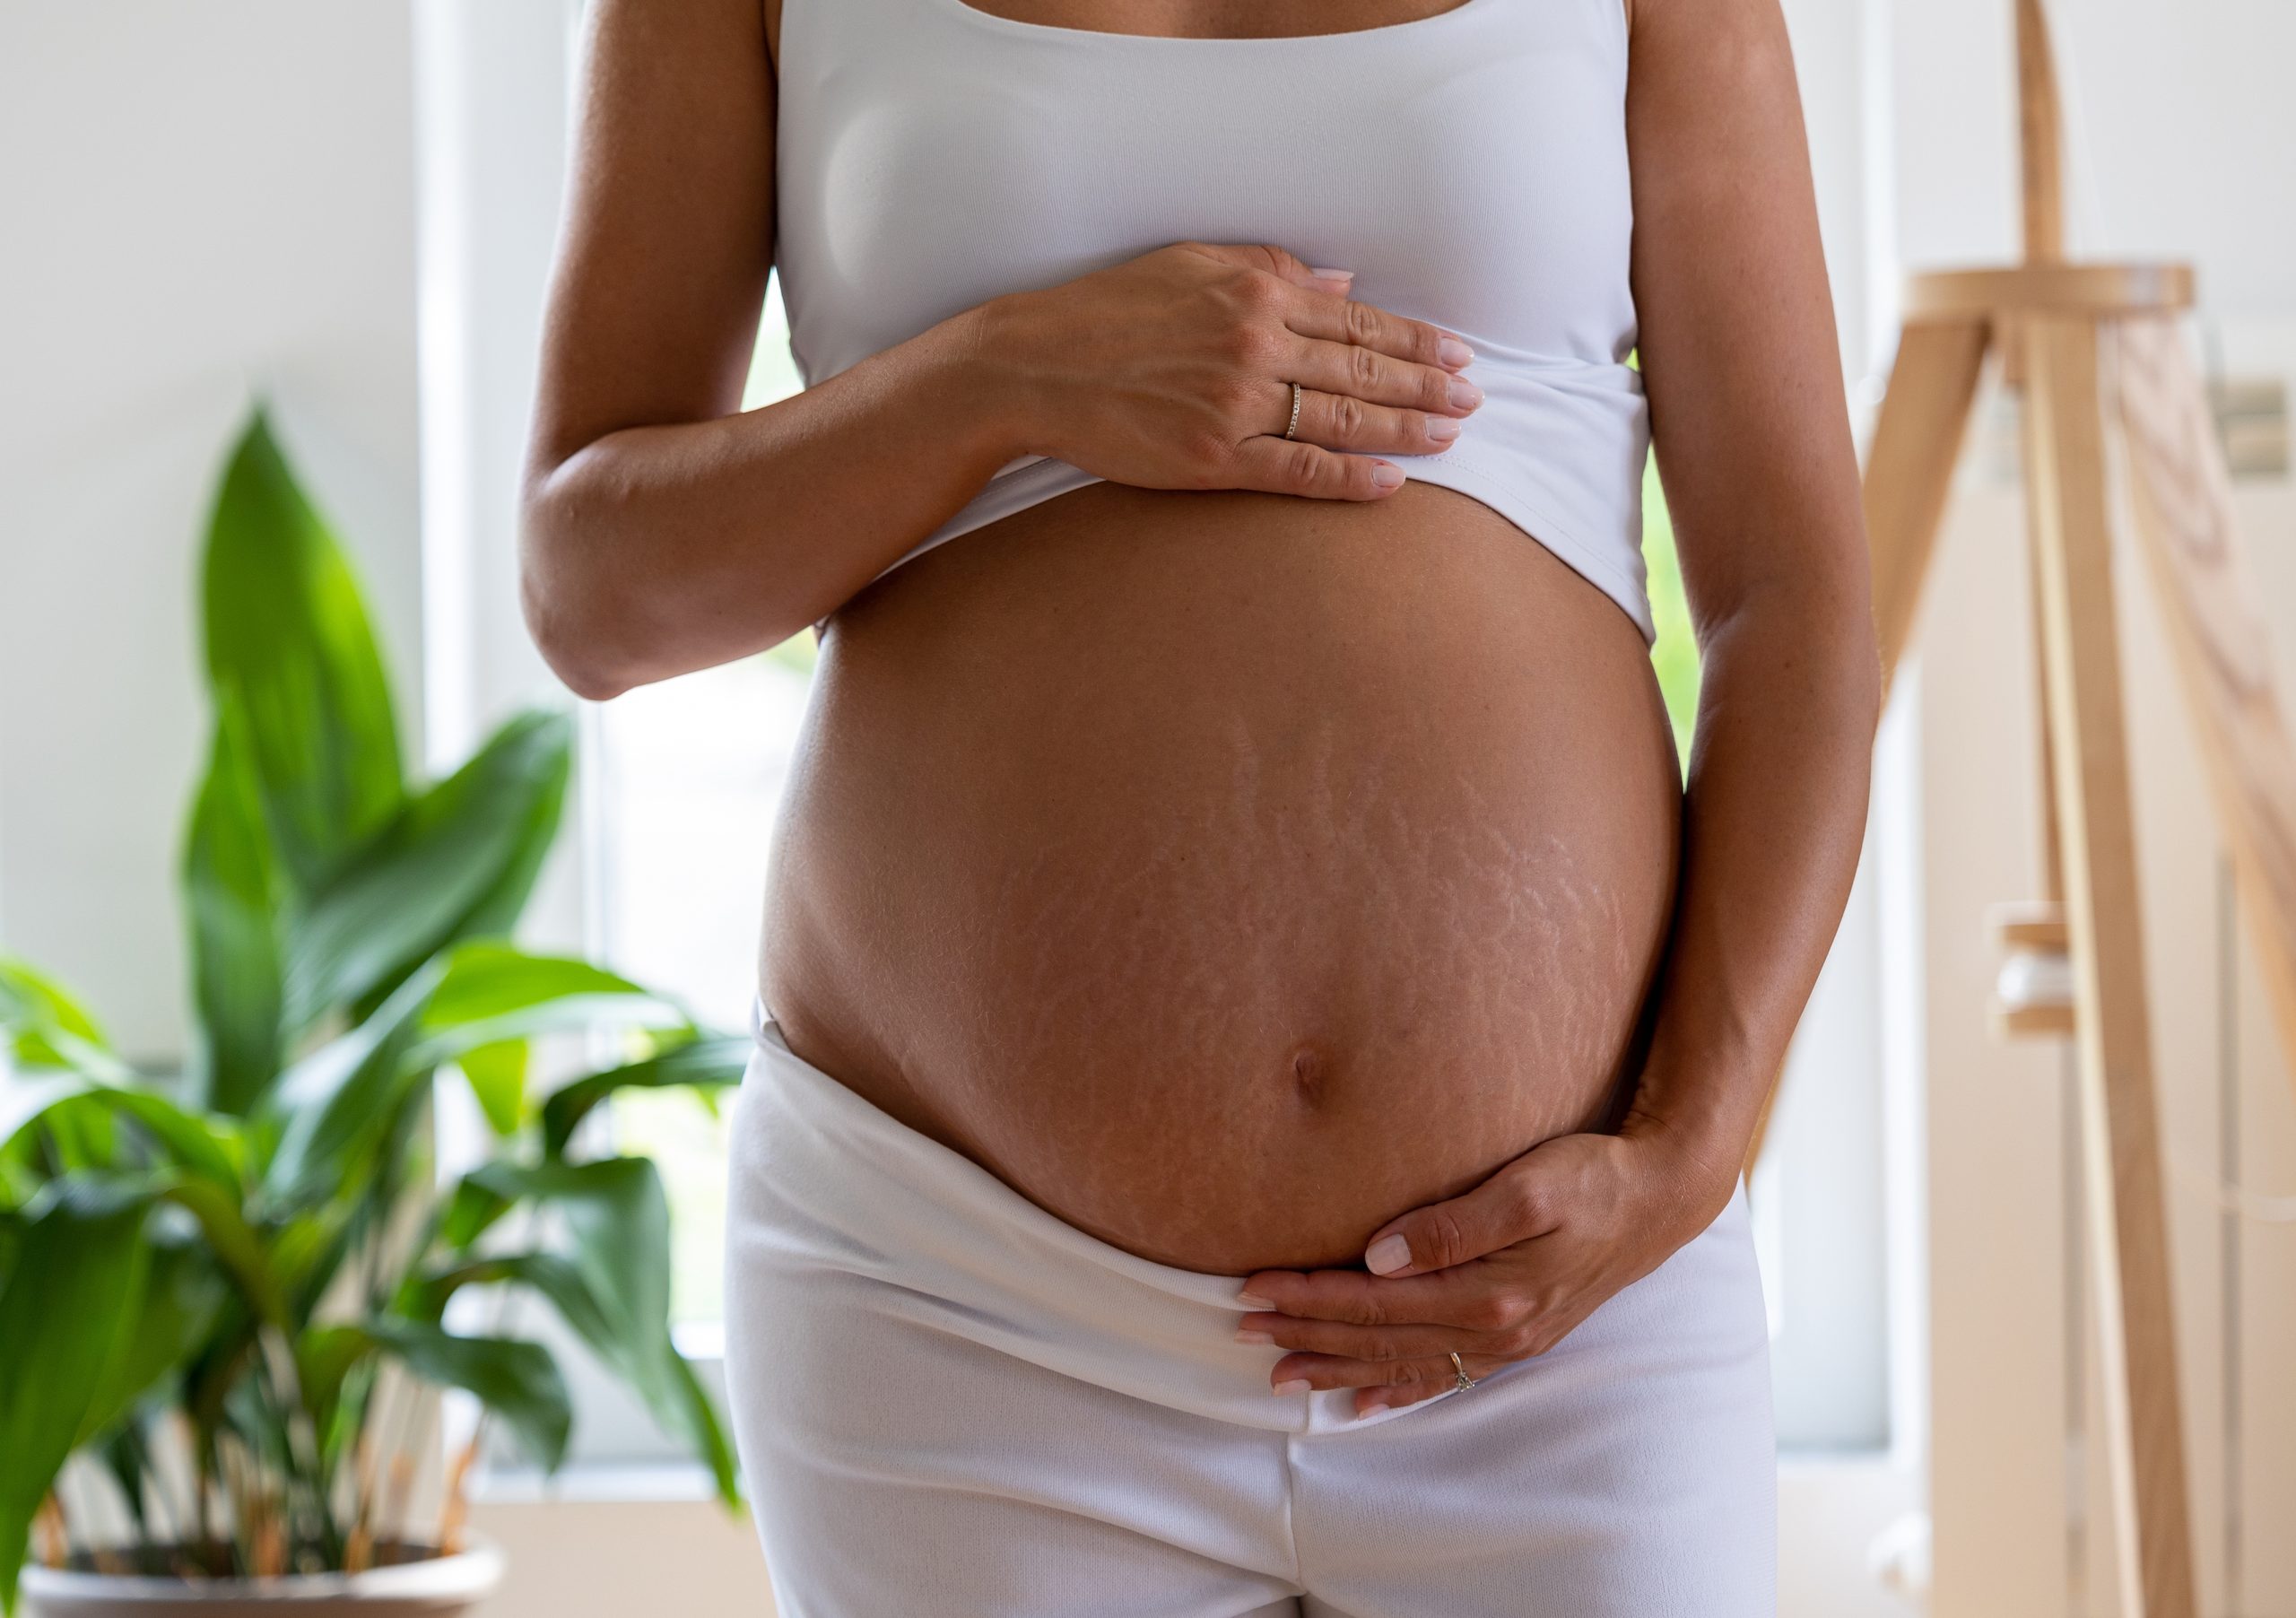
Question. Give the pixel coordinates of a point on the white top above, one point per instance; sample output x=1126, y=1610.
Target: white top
x=1470, y=167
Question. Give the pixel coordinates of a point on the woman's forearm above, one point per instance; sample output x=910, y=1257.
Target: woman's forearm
x=658, y=536
x=653, y=550
x=1773, y=818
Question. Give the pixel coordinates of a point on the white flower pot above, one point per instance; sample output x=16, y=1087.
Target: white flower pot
x=439, y=1585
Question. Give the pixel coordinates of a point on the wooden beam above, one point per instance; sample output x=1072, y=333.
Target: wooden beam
x=2182, y=498
x=2065, y=482
x=2062, y=289
x=1910, y=468
x=2031, y=924
x=2039, y=138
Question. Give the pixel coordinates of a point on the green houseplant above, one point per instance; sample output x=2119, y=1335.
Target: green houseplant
x=216, y=1287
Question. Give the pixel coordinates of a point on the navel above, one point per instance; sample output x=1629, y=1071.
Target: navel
x=1310, y=1072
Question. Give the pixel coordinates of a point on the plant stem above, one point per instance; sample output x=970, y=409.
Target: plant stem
x=455, y=1507
x=55, y=1532
x=366, y=1458
x=402, y=1482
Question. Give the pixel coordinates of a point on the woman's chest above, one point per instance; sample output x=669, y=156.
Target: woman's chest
x=1470, y=166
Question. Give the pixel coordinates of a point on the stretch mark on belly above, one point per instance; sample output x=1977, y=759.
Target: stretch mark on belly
x=1226, y=922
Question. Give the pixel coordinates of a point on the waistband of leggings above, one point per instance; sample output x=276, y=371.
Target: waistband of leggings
x=845, y=1185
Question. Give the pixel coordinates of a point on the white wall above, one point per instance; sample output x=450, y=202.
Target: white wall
x=196, y=202
x=2180, y=138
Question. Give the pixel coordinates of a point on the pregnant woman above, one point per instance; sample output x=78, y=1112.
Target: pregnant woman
x=1256, y=1041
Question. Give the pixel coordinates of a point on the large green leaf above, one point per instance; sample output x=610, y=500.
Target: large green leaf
x=488, y=978
x=65, y=1306
x=128, y=1459
x=286, y=632
x=618, y=1220
x=426, y=1297
x=496, y=997
x=493, y=978
x=494, y=991
x=78, y=1139
x=201, y=1146
x=234, y=1243
x=180, y=1298
x=25, y=1101
x=32, y=1006
x=44, y=1027
x=640, y=1354
x=325, y=1357
x=337, y=1106
x=706, y=1064
x=698, y=1417
x=307, y=1252
x=458, y=862
x=232, y=903
x=518, y=1380
x=496, y=1073
x=618, y=1225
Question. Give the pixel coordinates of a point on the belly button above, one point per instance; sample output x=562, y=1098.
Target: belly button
x=1310, y=1069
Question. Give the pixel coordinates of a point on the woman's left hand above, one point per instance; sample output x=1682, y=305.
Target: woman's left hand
x=1503, y=1273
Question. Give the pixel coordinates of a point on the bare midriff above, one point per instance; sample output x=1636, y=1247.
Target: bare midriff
x=1229, y=873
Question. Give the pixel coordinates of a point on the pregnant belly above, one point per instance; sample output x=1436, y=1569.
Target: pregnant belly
x=1229, y=873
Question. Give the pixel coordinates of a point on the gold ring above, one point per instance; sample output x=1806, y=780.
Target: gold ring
x=1465, y=1381
x=1288, y=431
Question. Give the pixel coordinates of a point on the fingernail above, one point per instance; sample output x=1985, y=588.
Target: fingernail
x=1464, y=394
x=1454, y=354
x=1387, y=1255
x=1295, y=1386
x=1331, y=274
x=1245, y=1334
x=1254, y=1301
x=1443, y=429
x=1367, y=1407
x=1385, y=474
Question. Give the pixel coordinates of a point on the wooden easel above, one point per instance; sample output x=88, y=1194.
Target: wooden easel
x=2096, y=349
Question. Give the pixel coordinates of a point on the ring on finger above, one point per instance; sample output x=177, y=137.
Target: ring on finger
x=1294, y=425
x=1465, y=1381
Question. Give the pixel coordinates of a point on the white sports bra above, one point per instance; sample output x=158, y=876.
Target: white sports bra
x=1470, y=167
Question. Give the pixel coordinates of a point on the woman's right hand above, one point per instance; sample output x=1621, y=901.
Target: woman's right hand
x=1174, y=371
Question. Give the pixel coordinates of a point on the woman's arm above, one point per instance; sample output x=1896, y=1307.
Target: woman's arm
x=1743, y=375
x=660, y=533
x=1754, y=446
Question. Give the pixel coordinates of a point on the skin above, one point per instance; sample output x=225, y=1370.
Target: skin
x=1159, y=803
x=1751, y=434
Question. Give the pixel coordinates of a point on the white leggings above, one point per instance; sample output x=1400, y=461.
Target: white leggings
x=950, y=1402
